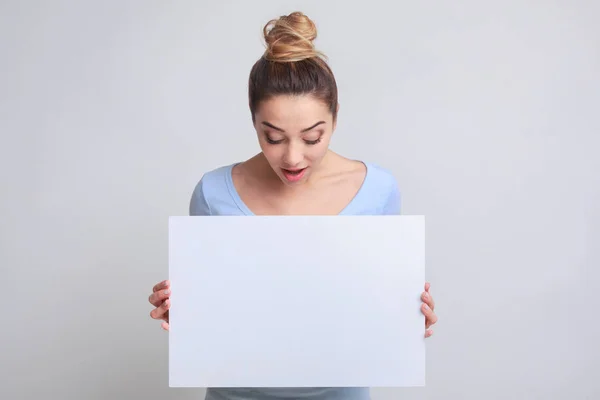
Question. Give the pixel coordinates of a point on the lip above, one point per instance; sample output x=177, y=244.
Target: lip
x=293, y=175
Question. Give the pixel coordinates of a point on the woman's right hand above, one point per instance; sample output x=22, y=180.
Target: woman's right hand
x=160, y=299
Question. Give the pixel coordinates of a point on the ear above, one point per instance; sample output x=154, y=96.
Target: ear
x=337, y=112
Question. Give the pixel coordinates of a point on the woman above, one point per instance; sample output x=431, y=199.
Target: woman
x=294, y=105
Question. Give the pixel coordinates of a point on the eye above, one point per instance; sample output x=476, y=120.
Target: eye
x=313, y=142
x=271, y=141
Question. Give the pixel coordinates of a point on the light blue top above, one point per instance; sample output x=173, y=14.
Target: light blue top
x=215, y=194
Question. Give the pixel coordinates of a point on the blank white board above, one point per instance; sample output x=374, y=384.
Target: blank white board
x=296, y=301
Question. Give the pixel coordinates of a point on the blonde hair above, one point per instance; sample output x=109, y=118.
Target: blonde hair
x=290, y=38
x=291, y=65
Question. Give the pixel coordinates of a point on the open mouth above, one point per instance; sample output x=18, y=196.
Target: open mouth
x=294, y=171
x=293, y=174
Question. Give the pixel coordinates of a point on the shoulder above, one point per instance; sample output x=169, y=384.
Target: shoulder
x=383, y=185
x=211, y=189
x=382, y=177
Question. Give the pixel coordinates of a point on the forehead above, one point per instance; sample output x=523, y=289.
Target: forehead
x=293, y=111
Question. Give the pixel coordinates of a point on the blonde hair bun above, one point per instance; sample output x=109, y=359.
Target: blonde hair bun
x=290, y=38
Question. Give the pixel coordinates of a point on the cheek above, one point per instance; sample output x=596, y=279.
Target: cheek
x=317, y=152
x=272, y=153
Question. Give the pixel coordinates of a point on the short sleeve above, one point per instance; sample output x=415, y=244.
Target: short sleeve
x=198, y=203
x=392, y=205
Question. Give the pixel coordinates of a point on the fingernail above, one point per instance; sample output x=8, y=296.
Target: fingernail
x=166, y=304
x=426, y=306
x=166, y=291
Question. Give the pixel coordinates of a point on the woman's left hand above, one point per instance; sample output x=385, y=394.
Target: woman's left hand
x=427, y=308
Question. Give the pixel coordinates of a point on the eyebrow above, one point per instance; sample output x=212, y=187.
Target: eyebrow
x=281, y=130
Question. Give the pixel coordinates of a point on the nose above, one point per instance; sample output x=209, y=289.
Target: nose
x=293, y=156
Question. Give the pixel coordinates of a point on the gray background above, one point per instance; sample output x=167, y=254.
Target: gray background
x=487, y=113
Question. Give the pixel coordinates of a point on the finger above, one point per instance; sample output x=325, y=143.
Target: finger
x=165, y=326
x=161, y=311
x=430, y=317
x=161, y=285
x=430, y=321
x=157, y=298
x=426, y=297
x=428, y=333
x=427, y=286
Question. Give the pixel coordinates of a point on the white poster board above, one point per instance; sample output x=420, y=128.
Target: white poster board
x=296, y=301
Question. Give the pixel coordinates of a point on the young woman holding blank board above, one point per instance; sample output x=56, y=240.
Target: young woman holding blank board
x=294, y=105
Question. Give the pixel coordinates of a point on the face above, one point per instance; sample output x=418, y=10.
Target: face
x=294, y=135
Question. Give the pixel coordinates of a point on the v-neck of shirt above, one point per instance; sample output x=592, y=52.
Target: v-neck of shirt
x=246, y=210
